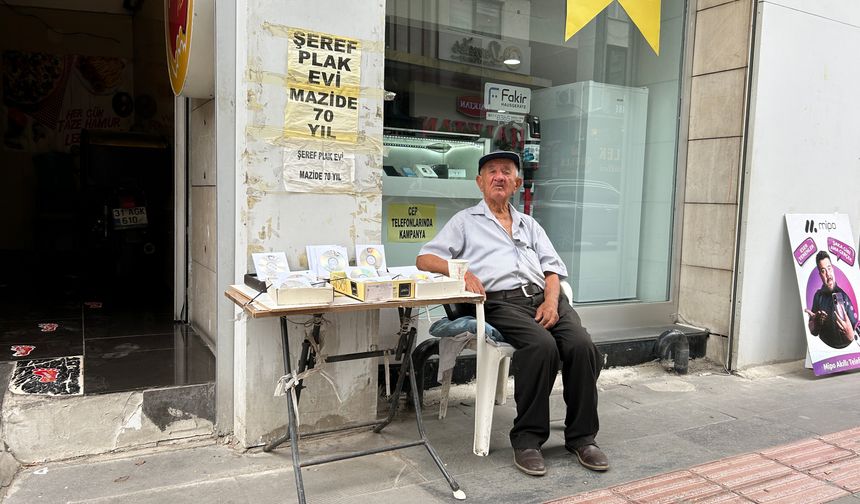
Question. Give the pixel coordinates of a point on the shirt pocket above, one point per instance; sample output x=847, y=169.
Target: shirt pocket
x=528, y=257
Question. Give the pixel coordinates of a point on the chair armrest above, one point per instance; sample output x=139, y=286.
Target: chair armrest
x=567, y=290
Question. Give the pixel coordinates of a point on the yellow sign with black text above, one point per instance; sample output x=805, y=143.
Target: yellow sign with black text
x=411, y=223
x=323, y=81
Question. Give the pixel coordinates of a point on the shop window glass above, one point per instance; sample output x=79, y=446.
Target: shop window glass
x=607, y=107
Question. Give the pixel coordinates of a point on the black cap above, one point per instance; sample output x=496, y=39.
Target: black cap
x=512, y=156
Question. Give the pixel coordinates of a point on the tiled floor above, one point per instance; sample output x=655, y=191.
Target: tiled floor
x=814, y=470
x=124, y=345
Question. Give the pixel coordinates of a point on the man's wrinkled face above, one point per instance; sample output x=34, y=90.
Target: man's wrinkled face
x=825, y=271
x=499, y=179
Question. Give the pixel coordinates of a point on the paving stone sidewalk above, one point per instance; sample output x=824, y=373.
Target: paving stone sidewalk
x=766, y=435
x=822, y=469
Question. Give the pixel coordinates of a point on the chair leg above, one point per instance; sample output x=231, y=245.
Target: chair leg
x=488, y=368
x=502, y=380
x=446, y=388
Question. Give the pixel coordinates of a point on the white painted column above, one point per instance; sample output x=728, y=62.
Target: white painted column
x=269, y=218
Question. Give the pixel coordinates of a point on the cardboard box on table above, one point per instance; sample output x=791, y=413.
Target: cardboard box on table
x=286, y=295
x=372, y=289
x=324, y=294
x=439, y=287
x=429, y=285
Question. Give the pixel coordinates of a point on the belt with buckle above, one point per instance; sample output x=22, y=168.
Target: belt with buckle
x=529, y=290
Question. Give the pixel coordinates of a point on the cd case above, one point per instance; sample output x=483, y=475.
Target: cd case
x=323, y=259
x=371, y=256
x=269, y=265
x=427, y=284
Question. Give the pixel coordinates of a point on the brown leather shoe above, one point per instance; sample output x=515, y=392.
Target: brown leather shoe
x=529, y=461
x=591, y=457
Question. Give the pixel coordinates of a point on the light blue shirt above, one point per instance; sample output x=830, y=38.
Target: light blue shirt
x=500, y=262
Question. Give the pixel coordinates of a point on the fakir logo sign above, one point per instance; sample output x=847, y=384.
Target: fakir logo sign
x=507, y=98
x=471, y=106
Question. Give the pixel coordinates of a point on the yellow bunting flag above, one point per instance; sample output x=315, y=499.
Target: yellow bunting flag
x=645, y=14
x=579, y=13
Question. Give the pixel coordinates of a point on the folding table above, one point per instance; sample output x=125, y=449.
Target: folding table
x=308, y=359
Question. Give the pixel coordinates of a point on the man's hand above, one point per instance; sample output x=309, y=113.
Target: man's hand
x=816, y=320
x=843, y=325
x=547, y=314
x=473, y=284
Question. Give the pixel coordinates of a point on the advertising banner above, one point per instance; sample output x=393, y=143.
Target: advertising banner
x=825, y=262
x=49, y=98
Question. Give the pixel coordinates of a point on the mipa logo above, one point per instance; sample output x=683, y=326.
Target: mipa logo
x=812, y=227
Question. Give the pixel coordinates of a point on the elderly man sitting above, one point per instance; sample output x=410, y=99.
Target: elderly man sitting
x=513, y=263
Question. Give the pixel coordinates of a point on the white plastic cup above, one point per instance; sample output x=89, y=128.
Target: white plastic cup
x=457, y=268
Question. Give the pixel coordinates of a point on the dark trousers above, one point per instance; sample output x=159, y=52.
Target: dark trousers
x=535, y=366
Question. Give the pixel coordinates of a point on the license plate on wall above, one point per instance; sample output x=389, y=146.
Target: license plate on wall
x=129, y=217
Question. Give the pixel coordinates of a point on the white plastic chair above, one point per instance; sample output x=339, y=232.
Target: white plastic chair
x=493, y=366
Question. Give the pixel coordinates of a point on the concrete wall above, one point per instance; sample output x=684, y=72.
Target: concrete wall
x=718, y=84
x=202, y=293
x=268, y=218
x=803, y=157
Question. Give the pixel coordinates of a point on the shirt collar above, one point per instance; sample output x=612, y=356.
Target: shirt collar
x=482, y=209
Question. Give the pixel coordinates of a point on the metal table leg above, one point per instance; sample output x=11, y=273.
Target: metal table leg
x=405, y=345
x=307, y=360
x=416, y=403
x=291, y=428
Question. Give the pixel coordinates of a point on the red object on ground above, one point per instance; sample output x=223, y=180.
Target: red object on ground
x=46, y=375
x=22, y=350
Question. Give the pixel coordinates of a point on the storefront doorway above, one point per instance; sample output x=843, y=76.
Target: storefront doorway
x=88, y=226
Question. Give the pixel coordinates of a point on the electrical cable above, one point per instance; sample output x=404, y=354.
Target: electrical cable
x=44, y=23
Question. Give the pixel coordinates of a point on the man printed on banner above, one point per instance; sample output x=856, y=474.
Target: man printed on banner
x=832, y=316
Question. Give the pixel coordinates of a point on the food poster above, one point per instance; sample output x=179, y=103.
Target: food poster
x=49, y=98
x=825, y=262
